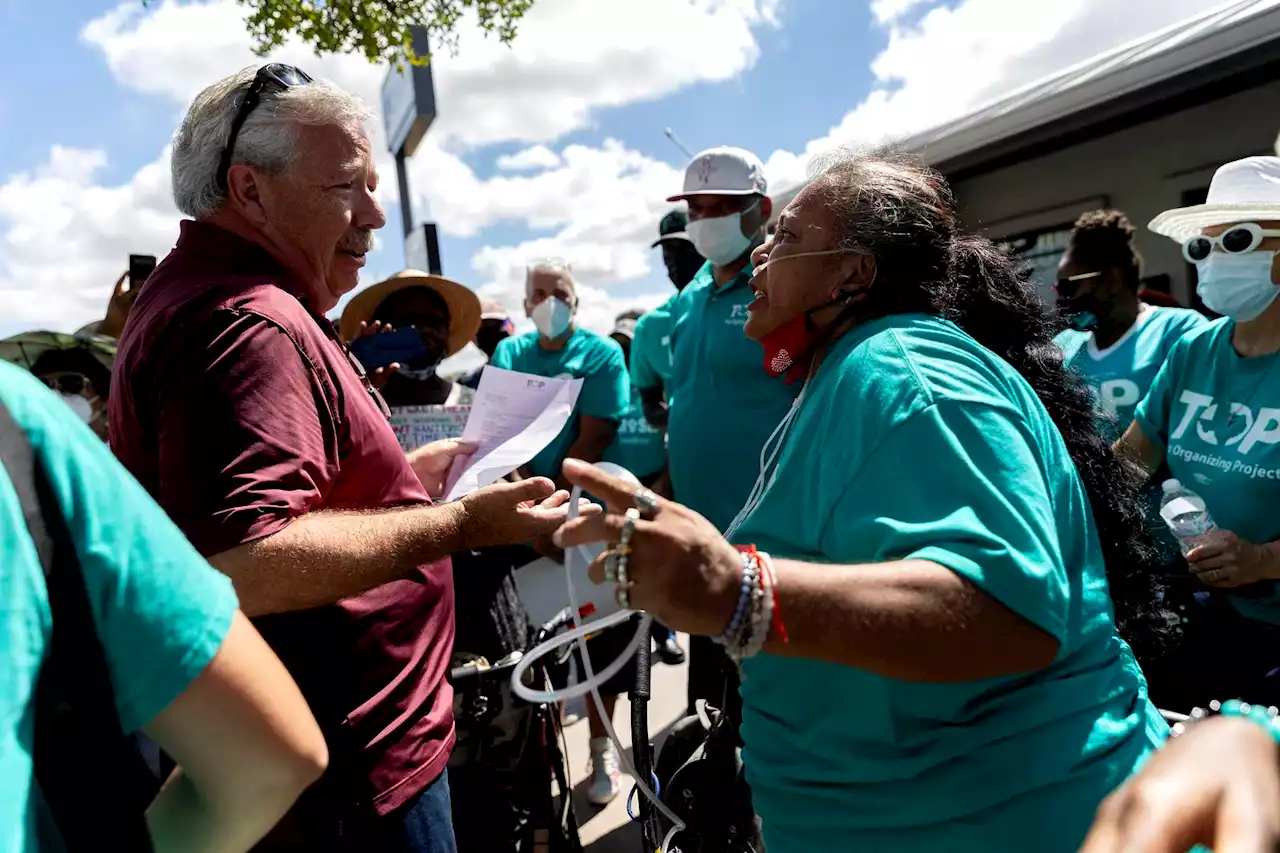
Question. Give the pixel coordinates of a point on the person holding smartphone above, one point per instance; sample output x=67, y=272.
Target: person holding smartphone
x=402, y=328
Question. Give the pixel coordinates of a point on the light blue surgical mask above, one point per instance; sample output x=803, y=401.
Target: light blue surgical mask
x=720, y=240
x=553, y=317
x=1237, y=285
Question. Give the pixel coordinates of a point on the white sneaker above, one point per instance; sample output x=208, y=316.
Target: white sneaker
x=604, y=772
x=572, y=711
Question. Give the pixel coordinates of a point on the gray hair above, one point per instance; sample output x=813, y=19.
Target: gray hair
x=551, y=266
x=884, y=196
x=267, y=141
x=889, y=204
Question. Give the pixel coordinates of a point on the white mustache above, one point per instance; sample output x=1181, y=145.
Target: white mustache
x=363, y=244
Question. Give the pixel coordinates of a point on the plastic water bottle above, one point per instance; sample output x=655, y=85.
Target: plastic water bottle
x=1184, y=511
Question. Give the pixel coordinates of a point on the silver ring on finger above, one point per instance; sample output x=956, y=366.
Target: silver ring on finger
x=630, y=517
x=646, y=502
x=624, y=544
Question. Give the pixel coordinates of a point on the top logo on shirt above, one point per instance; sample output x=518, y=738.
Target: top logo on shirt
x=1255, y=428
x=1260, y=428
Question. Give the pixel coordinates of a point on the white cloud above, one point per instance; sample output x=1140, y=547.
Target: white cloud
x=568, y=62
x=529, y=159
x=603, y=203
x=64, y=235
x=885, y=11
x=68, y=238
x=955, y=57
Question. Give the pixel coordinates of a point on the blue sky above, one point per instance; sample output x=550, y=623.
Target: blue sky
x=98, y=86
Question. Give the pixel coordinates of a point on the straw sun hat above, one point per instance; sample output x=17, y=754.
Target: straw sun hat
x=463, y=304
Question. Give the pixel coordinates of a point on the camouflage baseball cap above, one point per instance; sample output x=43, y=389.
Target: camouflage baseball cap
x=672, y=227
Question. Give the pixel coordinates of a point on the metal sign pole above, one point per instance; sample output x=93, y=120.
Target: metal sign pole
x=406, y=201
x=408, y=109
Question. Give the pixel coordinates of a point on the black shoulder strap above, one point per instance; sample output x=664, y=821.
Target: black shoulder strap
x=92, y=779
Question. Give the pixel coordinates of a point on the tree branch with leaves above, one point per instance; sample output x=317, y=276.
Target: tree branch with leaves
x=381, y=30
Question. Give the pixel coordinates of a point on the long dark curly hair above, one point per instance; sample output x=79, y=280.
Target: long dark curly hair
x=904, y=214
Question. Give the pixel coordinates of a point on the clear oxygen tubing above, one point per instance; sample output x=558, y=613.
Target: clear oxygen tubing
x=591, y=684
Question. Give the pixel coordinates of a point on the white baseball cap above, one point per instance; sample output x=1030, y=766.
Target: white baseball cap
x=723, y=171
x=1241, y=191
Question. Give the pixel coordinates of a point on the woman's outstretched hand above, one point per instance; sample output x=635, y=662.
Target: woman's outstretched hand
x=683, y=570
x=1217, y=785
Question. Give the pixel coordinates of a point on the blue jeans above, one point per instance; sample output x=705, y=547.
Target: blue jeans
x=426, y=822
x=659, y=632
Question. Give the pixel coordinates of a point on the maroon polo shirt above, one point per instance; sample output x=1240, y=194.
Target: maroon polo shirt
x=240, y=410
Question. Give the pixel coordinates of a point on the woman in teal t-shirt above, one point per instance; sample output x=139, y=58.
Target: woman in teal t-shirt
x=930, y=655
x=1213, y=416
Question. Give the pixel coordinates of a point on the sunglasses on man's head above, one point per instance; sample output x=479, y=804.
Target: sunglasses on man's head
x=274, y=74
x=1236, y=240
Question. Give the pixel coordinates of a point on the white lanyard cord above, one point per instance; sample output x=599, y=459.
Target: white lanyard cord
x=767, y=459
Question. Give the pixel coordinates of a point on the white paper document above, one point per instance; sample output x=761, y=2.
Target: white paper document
x=513, y=416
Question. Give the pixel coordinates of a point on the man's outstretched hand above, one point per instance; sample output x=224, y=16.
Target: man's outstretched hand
x=516, y=513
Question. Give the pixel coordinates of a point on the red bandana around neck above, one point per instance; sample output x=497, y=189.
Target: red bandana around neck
x=788, y=349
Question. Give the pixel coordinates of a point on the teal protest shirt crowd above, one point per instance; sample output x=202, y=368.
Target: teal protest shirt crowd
x=1121, y=375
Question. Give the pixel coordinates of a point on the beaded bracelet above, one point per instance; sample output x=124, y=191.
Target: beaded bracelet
x=754, y=616
x=1260, y=714
x=766, y=565
x=762, y=613
x=732, y=635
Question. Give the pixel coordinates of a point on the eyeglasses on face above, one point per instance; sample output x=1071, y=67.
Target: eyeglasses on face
x=1066, y=286
x=274, y=74
x=66, y=383
x=1236, y=240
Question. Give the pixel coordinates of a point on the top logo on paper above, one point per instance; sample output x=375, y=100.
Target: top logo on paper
x=535, y=383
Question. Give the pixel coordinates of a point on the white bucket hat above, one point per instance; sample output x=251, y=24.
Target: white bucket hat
x=1244, y=191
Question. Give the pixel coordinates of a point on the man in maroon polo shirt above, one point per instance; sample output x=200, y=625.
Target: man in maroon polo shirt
x=240, y=410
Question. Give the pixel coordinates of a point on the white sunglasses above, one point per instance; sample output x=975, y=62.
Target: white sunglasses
x=1236, y=240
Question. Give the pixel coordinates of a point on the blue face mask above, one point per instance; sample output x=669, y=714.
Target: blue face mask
x=1082, y=321
x=552, y=317
x=1237, y=285
x=399, y=347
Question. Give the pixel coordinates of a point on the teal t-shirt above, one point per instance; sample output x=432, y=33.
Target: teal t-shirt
x=1121, y=374
x=913, y=441
x=1120, y=377
x=1217, y=417
x=638, y=447
x=651, y=348
x=724, y=405
x=597, y=361
x=162, y=612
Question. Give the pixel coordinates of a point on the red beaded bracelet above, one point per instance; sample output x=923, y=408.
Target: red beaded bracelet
x=766, y=564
